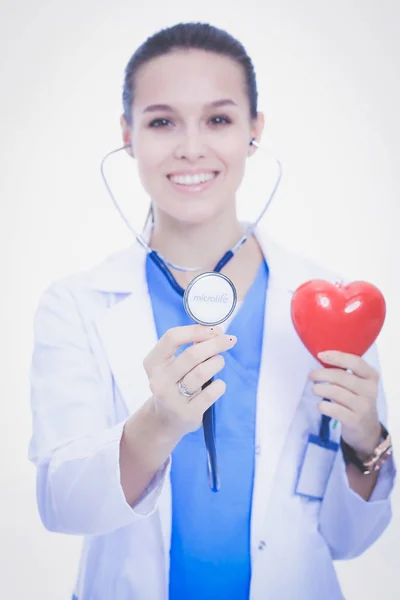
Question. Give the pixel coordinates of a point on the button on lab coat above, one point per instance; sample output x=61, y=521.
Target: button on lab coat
x=92, y=331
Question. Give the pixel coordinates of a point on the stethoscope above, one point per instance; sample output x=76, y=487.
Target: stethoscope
x=209, y=299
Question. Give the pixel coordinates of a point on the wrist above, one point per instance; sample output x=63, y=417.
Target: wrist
x=364, y=445
x=367, y=460
x=164, y=430
x=365, y=450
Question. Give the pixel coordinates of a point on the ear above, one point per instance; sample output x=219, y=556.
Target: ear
x=257, y=129
x=126, y=135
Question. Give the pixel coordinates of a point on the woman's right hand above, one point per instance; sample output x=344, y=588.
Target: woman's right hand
x=196, y=365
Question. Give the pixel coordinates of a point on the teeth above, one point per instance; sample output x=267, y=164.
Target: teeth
x=192, y=179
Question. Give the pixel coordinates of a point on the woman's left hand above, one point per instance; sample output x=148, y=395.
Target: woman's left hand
x=353, y=398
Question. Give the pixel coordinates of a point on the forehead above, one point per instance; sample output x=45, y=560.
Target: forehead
x=190, y=77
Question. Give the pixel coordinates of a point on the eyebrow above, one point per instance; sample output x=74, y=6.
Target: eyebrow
x=166, y=107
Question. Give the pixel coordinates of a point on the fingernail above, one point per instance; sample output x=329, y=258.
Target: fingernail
x=233, y=339
x=214, y=330
x=325, y=355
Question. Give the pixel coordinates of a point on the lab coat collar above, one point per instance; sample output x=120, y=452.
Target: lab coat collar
x=123, y=271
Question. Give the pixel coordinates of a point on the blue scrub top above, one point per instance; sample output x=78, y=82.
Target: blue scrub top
x=210, y=542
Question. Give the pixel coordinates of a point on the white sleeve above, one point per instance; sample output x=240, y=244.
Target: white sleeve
x=350, y=524
x=74, y=445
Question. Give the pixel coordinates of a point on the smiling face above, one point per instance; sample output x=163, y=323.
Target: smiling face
x=190, y=134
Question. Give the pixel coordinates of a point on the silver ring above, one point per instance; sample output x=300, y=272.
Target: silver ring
x=183, y=390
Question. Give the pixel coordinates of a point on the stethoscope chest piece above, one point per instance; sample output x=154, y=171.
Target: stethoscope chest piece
x=210, y=298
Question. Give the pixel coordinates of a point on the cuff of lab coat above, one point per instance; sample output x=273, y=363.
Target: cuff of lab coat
x=148, y=502
x=349, y=523
x=86, y=474
x=385, y=482
x=383, y=488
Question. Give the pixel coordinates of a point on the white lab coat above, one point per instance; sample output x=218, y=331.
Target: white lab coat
x=92, y=332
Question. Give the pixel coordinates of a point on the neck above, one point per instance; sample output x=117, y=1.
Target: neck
x=195, y=245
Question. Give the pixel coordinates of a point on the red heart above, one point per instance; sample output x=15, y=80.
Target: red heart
x=340, y=317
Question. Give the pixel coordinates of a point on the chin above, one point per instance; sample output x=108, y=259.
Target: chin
x=190, y=212
x=196, y=216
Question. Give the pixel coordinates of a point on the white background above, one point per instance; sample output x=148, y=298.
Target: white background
x=329, y=83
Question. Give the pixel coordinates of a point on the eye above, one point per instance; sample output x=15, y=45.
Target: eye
x=160, y=123
x=220, y=120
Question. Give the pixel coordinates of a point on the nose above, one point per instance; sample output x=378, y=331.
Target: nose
x=191, y=145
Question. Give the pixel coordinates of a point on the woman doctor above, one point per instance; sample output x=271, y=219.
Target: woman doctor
x=118, y=444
